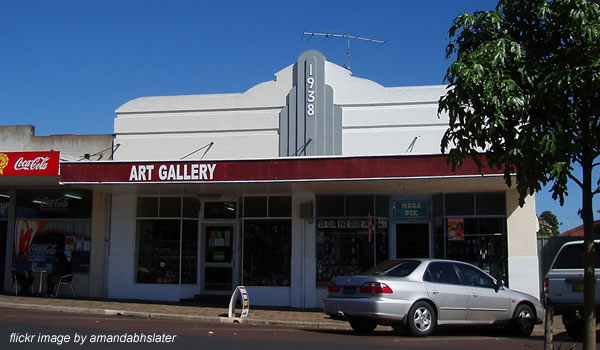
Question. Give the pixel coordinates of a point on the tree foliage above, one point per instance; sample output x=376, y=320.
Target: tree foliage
x=525, y=90
x=548, y=224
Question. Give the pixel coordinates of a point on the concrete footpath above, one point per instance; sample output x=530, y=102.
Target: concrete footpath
x=256, y=316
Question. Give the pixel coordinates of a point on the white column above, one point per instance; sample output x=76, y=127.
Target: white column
x=523, y=265
x=303, y=282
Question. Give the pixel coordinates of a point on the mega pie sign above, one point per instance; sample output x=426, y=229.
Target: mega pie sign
x=29, y=163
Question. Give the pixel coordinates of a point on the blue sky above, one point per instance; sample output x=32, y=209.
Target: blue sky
x=65, y=66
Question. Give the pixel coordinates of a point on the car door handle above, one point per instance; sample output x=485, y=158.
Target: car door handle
x=435, y=292
x=475, y=295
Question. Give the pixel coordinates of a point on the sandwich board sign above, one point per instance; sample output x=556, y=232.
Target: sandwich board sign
x=239, y=291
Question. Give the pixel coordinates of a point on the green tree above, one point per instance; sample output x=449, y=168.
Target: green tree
x=548, y=224
x=524, y=91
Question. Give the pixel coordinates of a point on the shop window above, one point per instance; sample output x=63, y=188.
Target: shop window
x=158, y=251
x=359, y=206
x=268, y=206
x=460, y=204
x=167, y=249
x=3, y=234
x=189, y=252
x=54, y=204
x=382, y=206
x=220, y=210
x=255, y=207
x=438, y=204
x=267, y=252
x=479, y=241
x=170, y=207
x=147, y=207
x=52, y=222
x=4, y=204
x=191, y=208
x=348, y=246
x=330, y=206
x=43, y=240
x=280, y=206
x=493, y=203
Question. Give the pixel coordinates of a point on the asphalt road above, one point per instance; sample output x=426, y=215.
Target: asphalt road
x=50, y=330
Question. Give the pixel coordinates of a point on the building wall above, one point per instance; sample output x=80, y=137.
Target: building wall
x=122, y=249
x=246, y=125
x=22, y=138
x=523, y=261
x=100, y=231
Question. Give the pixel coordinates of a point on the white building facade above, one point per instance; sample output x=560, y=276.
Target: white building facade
x=313, y=174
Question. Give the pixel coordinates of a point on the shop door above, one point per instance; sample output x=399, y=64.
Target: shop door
x=219, y=253
x=412, y=241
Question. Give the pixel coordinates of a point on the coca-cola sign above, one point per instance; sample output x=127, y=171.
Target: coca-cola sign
x=29, y=163
x=37, y=163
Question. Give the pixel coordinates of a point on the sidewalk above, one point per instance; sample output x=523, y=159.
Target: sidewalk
x=289, y=318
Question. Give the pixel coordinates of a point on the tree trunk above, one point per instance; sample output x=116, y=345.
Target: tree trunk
x=589, y=280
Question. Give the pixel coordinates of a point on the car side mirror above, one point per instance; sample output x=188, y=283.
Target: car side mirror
x=498, y=285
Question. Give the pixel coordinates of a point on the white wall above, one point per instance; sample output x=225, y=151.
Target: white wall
x=122, y=248
x=375, y=120
x=523, y=265
x=303, y=253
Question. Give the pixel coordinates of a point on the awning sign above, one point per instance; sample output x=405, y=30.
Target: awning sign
x=29, y=163
x=172, y=172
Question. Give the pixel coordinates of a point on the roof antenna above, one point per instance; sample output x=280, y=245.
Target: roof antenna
x=348, y=38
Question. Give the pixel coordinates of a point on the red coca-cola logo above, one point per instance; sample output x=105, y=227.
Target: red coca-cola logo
x=37, y=163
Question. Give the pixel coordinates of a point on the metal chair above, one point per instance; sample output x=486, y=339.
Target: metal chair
x=66, y=280
x=16, y=283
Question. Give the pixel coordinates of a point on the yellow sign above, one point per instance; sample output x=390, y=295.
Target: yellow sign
x=3, y=162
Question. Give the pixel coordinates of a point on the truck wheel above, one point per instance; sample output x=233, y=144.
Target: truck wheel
x=523, y=320
x=421, y=319
x=362, y=326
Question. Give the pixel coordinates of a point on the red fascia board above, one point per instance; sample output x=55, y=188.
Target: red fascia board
x=270, y=170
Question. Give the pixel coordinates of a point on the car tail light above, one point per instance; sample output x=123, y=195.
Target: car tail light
x=375, y=288
x=546, y=285
x=333, y=288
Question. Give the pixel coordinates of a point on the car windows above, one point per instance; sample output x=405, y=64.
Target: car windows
x=441, y=272
x=571, y=257
x=403, y=269
x=474, y=277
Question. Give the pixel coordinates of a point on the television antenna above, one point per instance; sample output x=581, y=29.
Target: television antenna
x=348, y=38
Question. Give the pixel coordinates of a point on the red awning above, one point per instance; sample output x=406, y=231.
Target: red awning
x=268, y=170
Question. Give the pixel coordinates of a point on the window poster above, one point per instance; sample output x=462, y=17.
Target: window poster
x=42, y=240
x=456, y=229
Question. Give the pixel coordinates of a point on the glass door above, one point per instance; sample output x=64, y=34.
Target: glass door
x=219, y=252
x=412, y=241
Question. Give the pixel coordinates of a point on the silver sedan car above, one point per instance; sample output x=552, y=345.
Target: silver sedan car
x=424, y=293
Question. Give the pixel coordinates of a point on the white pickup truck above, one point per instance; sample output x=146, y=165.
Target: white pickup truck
x=563, y=286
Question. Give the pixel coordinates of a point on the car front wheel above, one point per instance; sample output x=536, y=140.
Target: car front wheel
x=421, y=319
x=523, y=320
x=363, y=326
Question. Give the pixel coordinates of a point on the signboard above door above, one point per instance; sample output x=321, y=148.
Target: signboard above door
x=411, y=209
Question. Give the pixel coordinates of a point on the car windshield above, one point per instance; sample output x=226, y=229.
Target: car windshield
x=395, y=268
